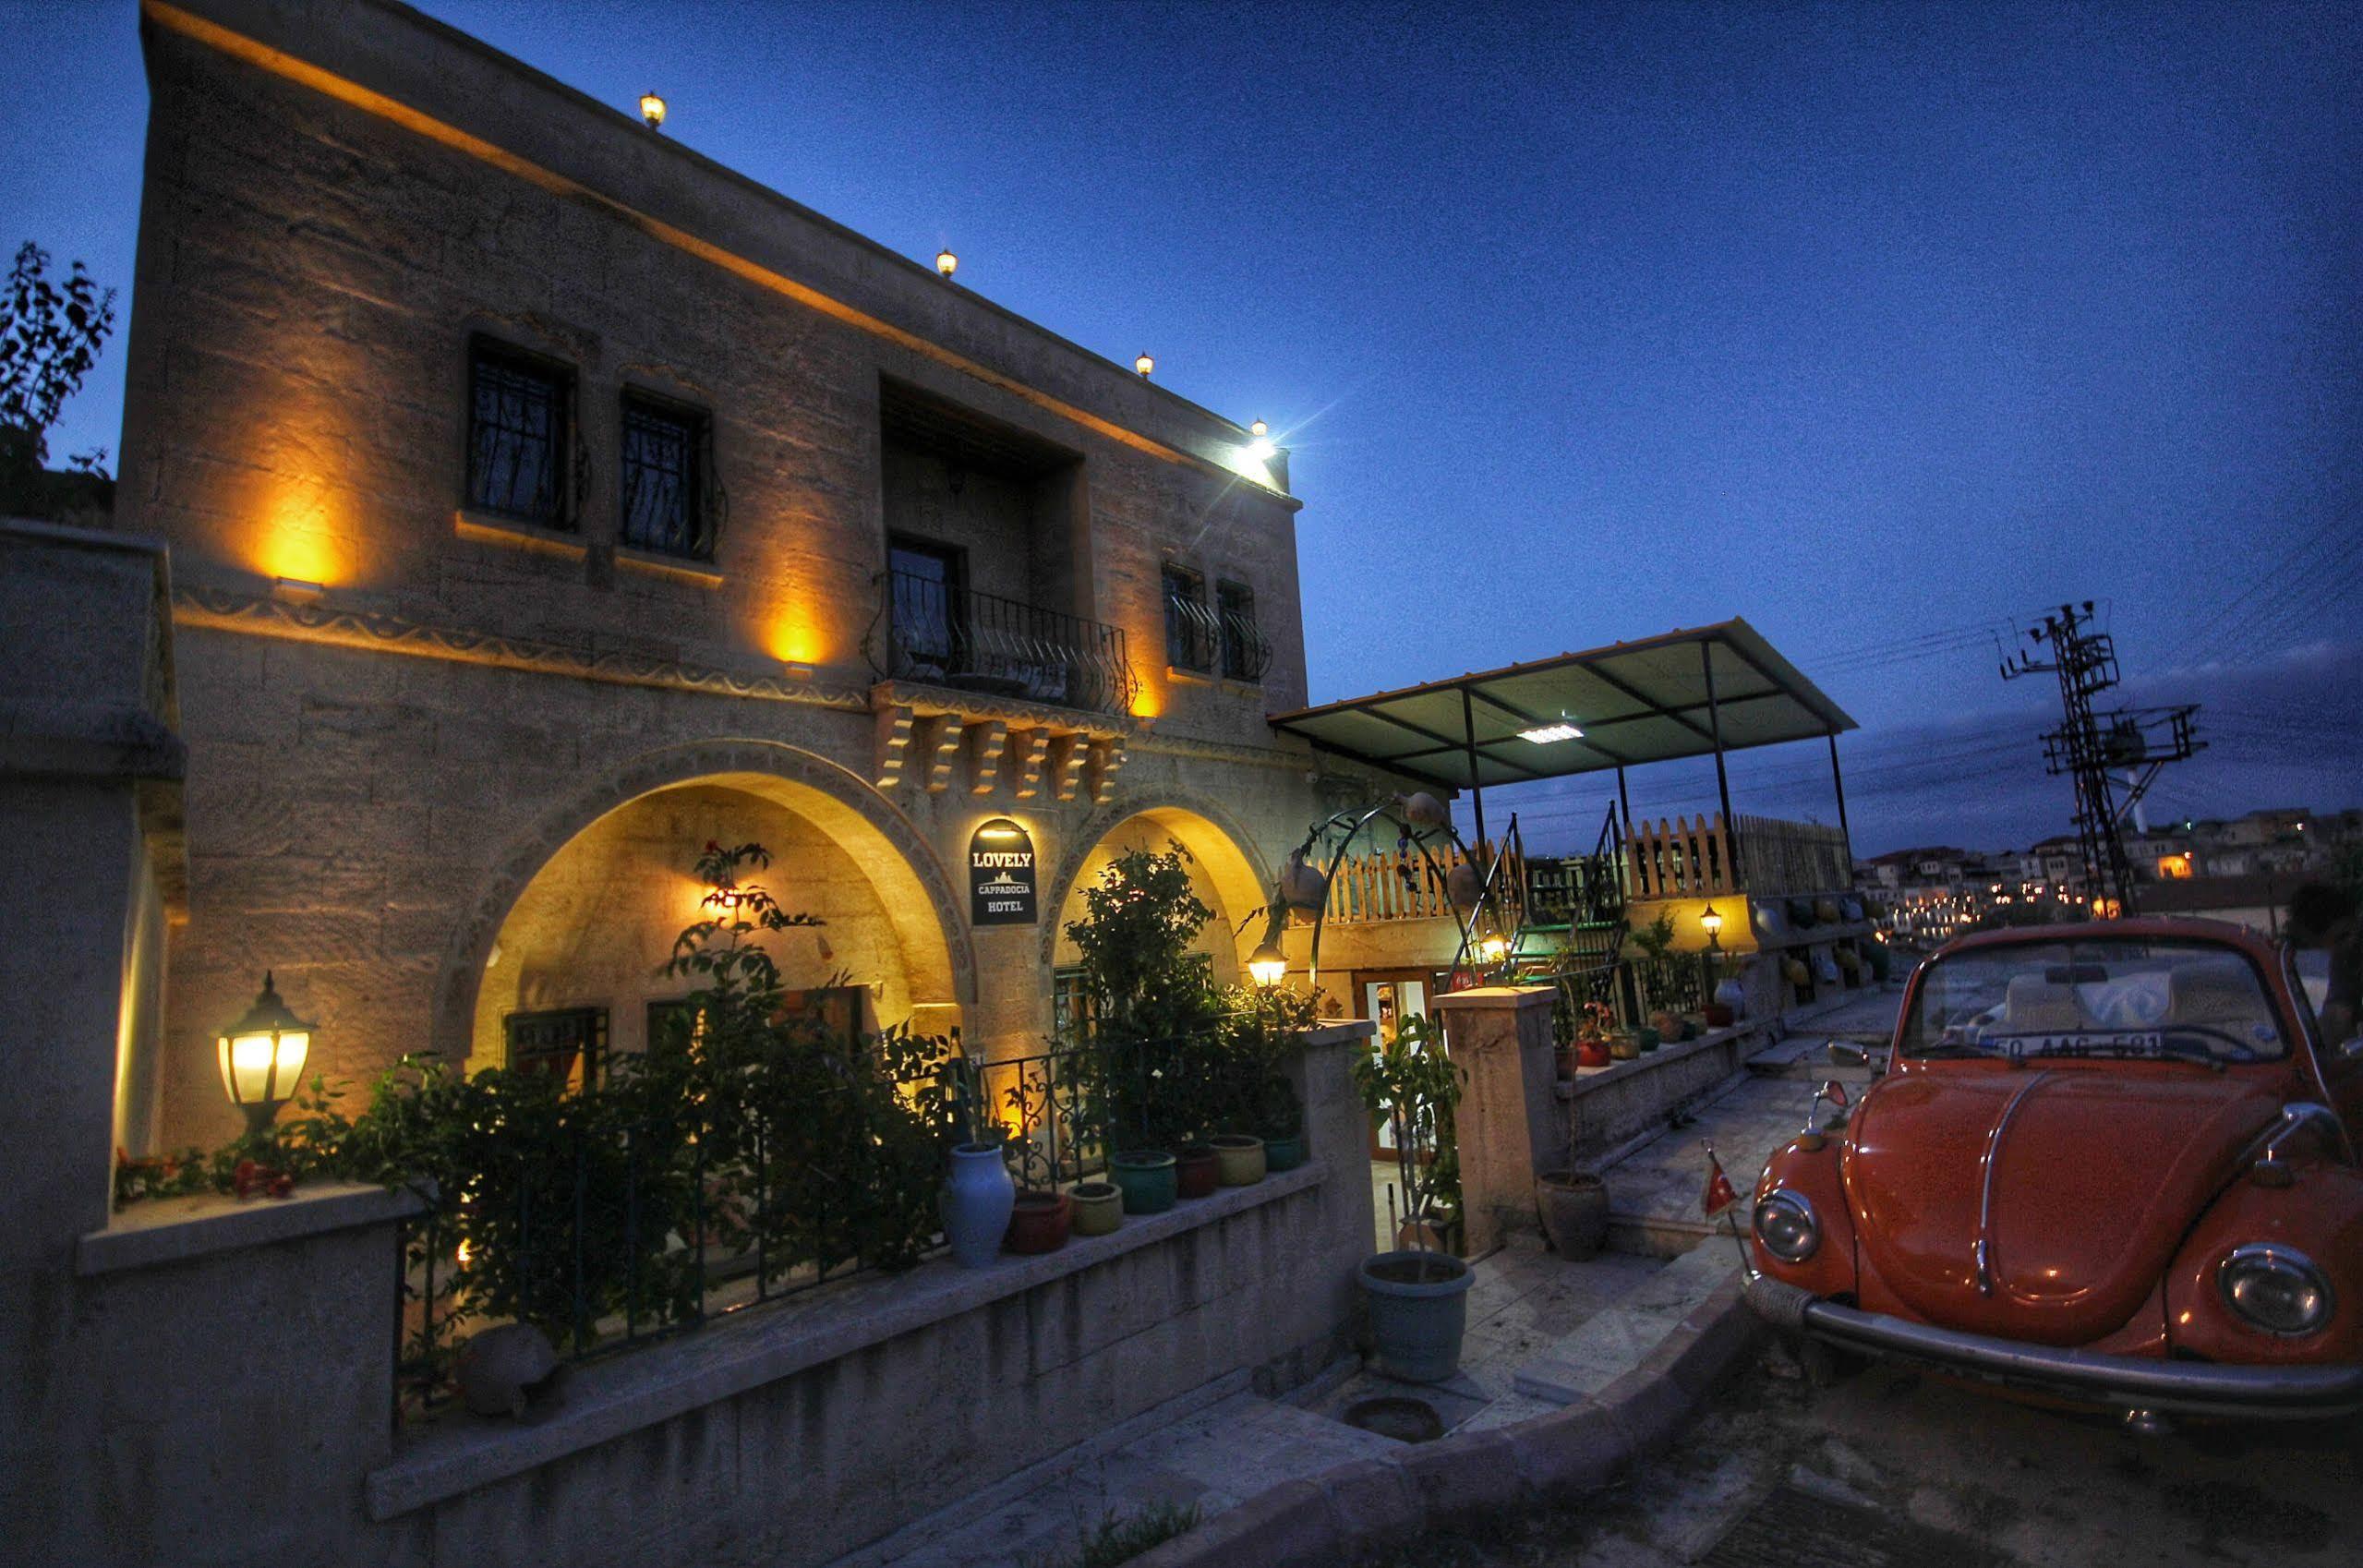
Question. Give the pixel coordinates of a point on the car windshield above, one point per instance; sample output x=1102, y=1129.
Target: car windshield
x=2095, y=997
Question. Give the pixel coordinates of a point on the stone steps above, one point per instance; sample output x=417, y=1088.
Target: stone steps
x=1615, y=1340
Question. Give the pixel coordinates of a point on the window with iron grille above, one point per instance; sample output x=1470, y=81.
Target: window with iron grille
x=1191, y=633
x=664, y=486
x=1246, y=654
x=569, y=1044
x=519, y=408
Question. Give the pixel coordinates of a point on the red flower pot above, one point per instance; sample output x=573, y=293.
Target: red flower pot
x=1592, y=1053
x=1195, y=1171
x=1038, y=1222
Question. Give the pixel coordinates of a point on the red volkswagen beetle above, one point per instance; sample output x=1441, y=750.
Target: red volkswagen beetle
x=2111, y=1164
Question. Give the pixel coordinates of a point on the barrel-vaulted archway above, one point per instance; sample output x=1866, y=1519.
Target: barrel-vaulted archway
x=1231, y=873
x=856, y=860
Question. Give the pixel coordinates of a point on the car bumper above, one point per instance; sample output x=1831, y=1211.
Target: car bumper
x=2087, y=1377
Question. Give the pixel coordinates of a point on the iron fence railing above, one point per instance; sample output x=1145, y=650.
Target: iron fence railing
x=949, y=637
x=631, y=1234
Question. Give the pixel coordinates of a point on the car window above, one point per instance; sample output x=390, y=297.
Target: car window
x=2098, y=996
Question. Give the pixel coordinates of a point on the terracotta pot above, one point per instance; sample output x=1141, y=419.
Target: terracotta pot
x=1564, y=1059
x=1037, y=1222
x=1574, y=1212
x=1592, y=1053
x=1424, y=809
x=1465, y=885
x=1303, y=887
x=1718, y=1016
x=1668, y=1024
x=1098, y=1207
x=1195, y=1171
x=1238, y=1158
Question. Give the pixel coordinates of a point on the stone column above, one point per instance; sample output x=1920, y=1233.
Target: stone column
x=89, y=814
x=1508, y=1123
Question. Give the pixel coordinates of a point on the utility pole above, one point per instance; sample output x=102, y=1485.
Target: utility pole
x=2090, y=747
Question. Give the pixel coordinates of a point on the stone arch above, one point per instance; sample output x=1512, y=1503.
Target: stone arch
x=1233, y=863
x=911, y=880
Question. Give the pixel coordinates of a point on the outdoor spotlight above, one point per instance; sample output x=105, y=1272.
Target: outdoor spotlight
x=1266, y=965
x=946, y=264
x=262, y=1056
x=652, y=109
x=1144, y=365
x=1712, y=924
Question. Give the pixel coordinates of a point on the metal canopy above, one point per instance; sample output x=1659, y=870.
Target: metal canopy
x=1696, y=693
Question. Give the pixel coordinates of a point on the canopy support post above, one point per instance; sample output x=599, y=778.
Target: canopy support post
x=1722, y=780
x=1468, y=736
x=1623, y=801
x=1837, y=781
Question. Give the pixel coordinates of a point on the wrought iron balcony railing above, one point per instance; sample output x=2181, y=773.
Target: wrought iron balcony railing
x=947, y=636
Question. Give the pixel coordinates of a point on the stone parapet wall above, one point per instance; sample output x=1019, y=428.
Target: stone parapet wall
x=223, y=1383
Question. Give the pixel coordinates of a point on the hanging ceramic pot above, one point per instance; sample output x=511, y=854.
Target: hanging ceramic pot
x=1302, y=886
x=977, y=1201
x=1465, y=885
x=1423, y=810
x=1825, y=911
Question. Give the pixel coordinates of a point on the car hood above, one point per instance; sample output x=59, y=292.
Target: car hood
x=2096, y=1174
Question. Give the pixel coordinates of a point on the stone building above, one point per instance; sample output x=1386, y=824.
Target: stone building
x=545, y=500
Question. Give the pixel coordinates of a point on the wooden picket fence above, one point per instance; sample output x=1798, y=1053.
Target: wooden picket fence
x=1390, y=885
x=1678, y=860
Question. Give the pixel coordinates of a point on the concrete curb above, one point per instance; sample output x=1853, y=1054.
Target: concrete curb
x=1581, y=1447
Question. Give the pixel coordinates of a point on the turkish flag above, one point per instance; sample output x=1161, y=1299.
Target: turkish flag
x=1718, y=1195
x=1835, y=1092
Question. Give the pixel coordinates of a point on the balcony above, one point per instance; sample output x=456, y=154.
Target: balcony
x=941, y=636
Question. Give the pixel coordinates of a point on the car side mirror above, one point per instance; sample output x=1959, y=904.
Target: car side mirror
x=2352, y=1049
x=1841, y=1055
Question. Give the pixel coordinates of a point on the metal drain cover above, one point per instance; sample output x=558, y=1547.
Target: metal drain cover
x=1398, y=1417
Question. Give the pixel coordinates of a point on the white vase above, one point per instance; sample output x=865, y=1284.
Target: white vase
x=977, y=1201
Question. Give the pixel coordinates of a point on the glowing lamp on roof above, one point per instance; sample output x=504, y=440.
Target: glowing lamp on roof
x=262, y=1056
x=1144, y=365
x=946, y=264
x=1545, y=734
x=1261, y=448
x=652, y=109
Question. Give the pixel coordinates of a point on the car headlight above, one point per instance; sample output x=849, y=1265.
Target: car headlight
x=2275, y=1289
x=1786, y=1225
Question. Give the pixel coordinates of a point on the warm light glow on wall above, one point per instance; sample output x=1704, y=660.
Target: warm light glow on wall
x=295, y=537
x=796, y=636
x=1149, y=701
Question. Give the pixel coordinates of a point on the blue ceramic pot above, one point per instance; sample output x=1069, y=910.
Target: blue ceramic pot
x=977, y=1203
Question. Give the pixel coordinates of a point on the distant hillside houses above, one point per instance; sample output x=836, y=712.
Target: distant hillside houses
x=2242, y=869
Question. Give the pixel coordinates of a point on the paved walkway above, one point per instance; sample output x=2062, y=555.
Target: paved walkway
x=1542, y=1332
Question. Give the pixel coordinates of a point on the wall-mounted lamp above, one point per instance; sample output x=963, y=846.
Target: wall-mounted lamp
x=262, y=1056
x=652, y=109
x=298, y=589
x=1144, y=365
x=945, y=265
x=794, y=671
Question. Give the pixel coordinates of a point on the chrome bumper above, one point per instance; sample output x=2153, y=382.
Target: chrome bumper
x=2118, y=1383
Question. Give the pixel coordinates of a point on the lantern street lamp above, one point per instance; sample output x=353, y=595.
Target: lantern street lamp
x=262, y=1056
x=652, y=109
x=946, y=264
x=1266, y=964
x=1144, y=365
x=1712, y=924
x=1493, y=949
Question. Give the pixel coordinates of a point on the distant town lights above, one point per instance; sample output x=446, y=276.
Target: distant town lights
x=946, y=264
x=1544, y=734
x=652, y=109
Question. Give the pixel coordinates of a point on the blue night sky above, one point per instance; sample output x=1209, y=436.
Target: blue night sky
x=1880, y=326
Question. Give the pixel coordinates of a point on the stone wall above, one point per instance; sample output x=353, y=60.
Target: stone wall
x=224, y=1381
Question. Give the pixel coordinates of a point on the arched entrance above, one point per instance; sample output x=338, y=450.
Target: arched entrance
x=1225, y=869
x=571, y=939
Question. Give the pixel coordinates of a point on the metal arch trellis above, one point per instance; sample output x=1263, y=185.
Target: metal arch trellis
x=1341, y=829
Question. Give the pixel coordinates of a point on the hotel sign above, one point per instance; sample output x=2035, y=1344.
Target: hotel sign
x=1001, y=875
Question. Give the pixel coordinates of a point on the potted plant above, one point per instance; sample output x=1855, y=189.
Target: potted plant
x=1418, y=1297
x=1594, y=1034
x=1575, y=1207
x=1096, y=1207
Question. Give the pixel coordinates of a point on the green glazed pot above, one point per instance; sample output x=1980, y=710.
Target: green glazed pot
x=1147, y=1177
x=1650, y=1038
x=1284, y=1153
